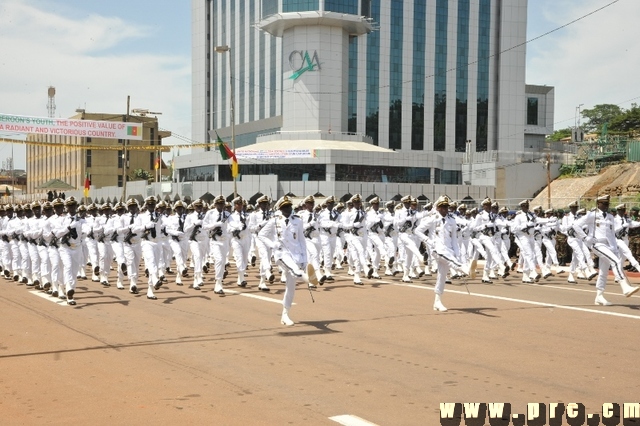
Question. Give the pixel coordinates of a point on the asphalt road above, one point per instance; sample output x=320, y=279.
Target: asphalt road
x=377, y=352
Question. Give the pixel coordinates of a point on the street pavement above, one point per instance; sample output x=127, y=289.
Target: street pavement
x=373, y=354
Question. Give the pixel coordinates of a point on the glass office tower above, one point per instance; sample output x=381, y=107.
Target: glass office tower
x=414, y=75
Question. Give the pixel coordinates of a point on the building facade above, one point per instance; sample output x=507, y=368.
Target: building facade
x=436, y=79
x=71, y=159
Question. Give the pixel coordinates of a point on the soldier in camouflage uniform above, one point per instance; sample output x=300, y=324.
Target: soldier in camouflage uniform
x=562, y=246
x=634, y=234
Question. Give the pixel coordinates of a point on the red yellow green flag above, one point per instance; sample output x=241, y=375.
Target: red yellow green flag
x=87, y=185
x=227, y=154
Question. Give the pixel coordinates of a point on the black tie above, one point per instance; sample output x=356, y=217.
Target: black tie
x=181, y=223
x=286, y=221
x=604, y=215
x=219, y=216
x=132, y=219
x=358, y=216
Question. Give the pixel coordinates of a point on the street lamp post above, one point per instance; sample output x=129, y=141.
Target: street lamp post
x=225, y=49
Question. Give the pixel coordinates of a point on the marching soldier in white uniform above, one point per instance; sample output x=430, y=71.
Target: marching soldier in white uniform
x=215, y=224
x=91, y=243
x=131, y=232
x=578, y=261
x=198, y=241
x=150, y=224
x=375, y=226
x=447, y=252
x=312, y=235
x=405, y=221
x=116, y=222
x=68, y=234
x=178, y=239
x=237, y=224
x=486, y=227
x=601, y=239
x=622, y=226
x=329, y=221
x=354, y=224
x=257, y=221
x=285, y=235
x=52, y=223
x=524, y=225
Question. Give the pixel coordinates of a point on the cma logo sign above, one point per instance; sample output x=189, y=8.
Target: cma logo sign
x=300, y=61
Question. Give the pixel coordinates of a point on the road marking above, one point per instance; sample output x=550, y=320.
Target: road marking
x=255, y=296
x=529, y=302
x=48, y=297
x=351, y=420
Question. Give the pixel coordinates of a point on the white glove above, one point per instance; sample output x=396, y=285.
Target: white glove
x=590, y=241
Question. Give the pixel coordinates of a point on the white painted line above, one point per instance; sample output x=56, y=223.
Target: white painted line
x=255, y=296
x=48, y=297
x=351, y=420
x=532, y=302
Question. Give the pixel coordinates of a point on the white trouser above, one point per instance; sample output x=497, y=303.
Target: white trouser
x=151, y=254
x=70, y=259
x=241, y=247
x=608, y=258
x=133, y=255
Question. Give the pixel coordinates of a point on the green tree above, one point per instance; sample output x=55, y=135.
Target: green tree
x=628, y=121
x=598, y=115
x=141, y=174
x=560, y=134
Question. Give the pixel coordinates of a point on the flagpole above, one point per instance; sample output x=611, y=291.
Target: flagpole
x=224, y=49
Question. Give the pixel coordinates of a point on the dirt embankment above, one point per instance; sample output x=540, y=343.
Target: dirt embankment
x=620, y=181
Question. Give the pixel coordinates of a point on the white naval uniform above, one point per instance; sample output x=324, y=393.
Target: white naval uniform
x=215, y=224
x=286, y=237
x=257, y=222
x=600, y=237
x=445, y=247
x=198, y=242
x=179, y=242
x=329, y=221
x=151, y=224
x=621, y=228
x=70, y=249
x=240, y=241
x=312, y=239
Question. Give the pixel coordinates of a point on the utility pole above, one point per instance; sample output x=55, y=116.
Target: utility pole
x=124, y=158
x=548, y=180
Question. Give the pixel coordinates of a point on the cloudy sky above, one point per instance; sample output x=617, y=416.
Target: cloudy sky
x=98, y=53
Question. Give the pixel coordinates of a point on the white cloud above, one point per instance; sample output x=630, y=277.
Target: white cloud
x=593, y=61
x=94, y=62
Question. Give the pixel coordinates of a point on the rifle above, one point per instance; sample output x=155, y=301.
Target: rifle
x=406, y=226
x=389, y=230
x=217, y=231
x=65, y=239
x=309, y=231
x=129, y=236
x=196, y=229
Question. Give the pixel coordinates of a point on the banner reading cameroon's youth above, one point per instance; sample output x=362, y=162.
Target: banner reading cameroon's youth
x=70, y=127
